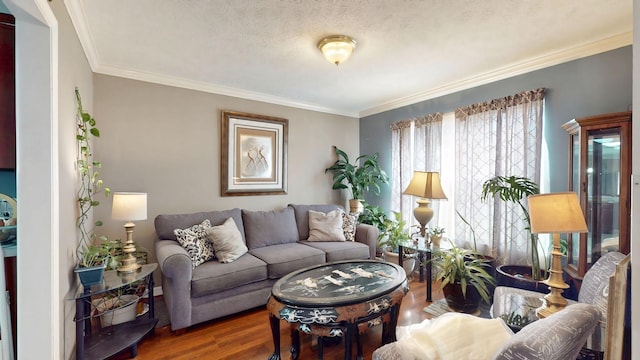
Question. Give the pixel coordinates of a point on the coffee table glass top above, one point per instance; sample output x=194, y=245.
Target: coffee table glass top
x=516, y=309
x=338, y=283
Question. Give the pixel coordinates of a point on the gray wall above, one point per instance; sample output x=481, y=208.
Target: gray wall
x=166, y=141
x=593, y=85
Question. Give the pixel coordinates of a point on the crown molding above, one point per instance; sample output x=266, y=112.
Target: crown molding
x=519, y=68
x=214, y=89
x=79, y=21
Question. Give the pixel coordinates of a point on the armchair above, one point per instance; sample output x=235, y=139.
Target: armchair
x=594, y=290
x=557, y=337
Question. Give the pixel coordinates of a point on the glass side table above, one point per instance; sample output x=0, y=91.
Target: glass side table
x=516, y=309
x=111, y=340
x=423, y=248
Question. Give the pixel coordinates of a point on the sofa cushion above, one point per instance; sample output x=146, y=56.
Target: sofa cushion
x=227, y=241
x=194, y=240
x=265, y=228
x=340, y=250
x=326, y=226
x=285, y=258
x=302, y=216
x=165, y=224
x=213, y=276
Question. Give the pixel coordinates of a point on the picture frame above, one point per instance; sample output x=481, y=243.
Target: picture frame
x=253, y=156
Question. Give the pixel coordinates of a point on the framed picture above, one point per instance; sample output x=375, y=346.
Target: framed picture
x=253, y=154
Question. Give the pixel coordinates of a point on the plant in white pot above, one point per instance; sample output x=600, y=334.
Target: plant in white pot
x=116, y=308
x=367, y=176
x=435, y=235
x=92, y=258
x=394, y=234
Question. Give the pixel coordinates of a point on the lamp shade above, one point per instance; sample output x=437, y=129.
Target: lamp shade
x=129, y=206
x=425, y=184
x=337, y=48
x=556, y=213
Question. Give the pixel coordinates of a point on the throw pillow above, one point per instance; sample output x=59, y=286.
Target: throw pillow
x=227, y=241
x=325, y=227
x=194, y=240
x=349, y=223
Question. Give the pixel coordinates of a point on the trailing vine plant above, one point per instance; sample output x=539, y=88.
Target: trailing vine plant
x=90, y=185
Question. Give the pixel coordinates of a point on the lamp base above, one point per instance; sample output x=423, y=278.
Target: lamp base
x=554, y=302
x=129, y=264
x=423, y=213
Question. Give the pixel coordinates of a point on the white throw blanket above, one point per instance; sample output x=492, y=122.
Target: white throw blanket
x=452, y=336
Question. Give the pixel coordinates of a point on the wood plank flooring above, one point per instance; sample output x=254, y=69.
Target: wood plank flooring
x=247, y=336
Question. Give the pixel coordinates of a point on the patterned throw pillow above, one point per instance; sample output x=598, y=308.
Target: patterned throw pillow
x=194, y=240
x=349, y=223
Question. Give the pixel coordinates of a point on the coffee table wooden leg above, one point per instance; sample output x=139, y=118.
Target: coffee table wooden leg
x=275, y=333
x=393, y=321
x=295, y=343
x=429, y=277
x=320, y=347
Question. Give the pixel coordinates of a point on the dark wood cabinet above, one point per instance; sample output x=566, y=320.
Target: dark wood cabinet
x=7, y=93
x=600, y=171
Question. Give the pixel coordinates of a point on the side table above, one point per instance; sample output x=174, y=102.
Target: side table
x=424, y=255
x=111, y=340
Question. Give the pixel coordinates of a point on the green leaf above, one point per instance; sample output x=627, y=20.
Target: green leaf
x=95, y=132
x=85, y=117
x=98, y=223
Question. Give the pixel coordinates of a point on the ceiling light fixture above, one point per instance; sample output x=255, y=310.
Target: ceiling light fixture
x=337, y=48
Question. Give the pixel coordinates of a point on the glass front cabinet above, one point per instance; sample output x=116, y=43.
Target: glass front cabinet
x=600, y=173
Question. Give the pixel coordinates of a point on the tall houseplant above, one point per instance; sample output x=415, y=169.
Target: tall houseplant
x=393, y=234
x=516, y=189
x=363, y=175
x=89, y=253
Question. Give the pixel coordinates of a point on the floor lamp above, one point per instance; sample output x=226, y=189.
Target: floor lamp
x=129, y=206
x=425, y=185
x=555, y=213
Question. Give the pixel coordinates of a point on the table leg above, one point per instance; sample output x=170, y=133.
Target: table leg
x=347, y=341
x=295, y=344
x=421, y=265
x=393, y=321
x=429, y=276
x=320, y=347
x=275, y=333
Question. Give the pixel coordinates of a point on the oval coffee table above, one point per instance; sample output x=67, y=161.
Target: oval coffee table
x=335, y=299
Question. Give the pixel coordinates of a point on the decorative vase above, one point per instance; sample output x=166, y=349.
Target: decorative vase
x=90, y=275
x=126, y=312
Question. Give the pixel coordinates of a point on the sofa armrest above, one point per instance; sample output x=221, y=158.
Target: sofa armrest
x=368, y=235
x=175, y=264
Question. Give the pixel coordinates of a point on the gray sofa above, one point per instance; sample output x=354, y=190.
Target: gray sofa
x=277, y=246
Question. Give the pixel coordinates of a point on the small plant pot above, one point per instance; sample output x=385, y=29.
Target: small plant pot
x=355, y=206
x=126, y=312
x=458, y=302
x=408, y=262
x=435, y=240
x=90, y=275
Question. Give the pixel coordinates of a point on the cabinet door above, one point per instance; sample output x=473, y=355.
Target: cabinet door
x=7, y=93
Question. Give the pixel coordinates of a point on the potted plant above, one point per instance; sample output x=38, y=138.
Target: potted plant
x=516, y=189
x=92, y=258
x=393, y=235
x=435, y=235
x=368, y=176
x=464, y=278
x=116, y=308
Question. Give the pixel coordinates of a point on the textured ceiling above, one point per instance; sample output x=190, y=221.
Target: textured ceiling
x=408, y=50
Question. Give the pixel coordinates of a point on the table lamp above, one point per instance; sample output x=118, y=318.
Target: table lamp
x=555, y=213
x=129, y=206
x=425, y=185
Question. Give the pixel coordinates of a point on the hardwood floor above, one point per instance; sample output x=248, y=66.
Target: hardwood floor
x=247, y=336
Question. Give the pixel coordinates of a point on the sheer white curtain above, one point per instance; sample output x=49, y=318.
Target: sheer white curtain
x=416, y=145
x=500, y=137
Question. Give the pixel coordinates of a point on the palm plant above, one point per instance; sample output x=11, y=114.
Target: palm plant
x=368, y=176
x=516, y=189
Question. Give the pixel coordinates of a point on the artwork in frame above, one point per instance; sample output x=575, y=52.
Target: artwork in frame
x=253, y=154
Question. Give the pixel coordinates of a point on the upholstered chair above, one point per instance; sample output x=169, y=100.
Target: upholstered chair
x=594, y=291
x=557, y=337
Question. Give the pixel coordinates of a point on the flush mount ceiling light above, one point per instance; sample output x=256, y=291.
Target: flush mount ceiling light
x=337, y=48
